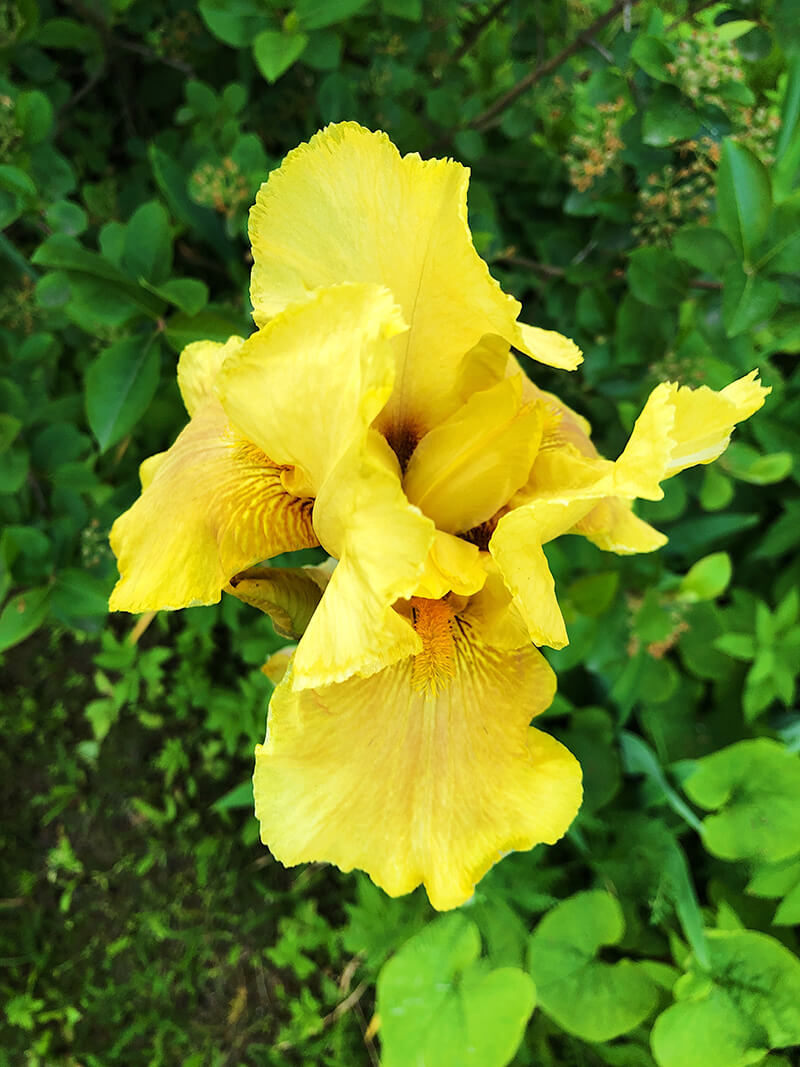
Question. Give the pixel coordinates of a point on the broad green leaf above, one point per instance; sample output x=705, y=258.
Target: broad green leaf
x=707, y=249
x=66, y=217
x=188, y=294
x=403, y=9
x=594, y=1000
x=754, y=786
x=652, y=55
x=747, y=299
x=590, y=738
x=732, y=1014
x=707, y=579
x=731, y=31
x=171, y=181
x=656, y=277
x=668, y=118
x=236, y=22
x=316, y=14
x=67, y=33
x=439, y=1006
x=744, y=197
x=23, y=614
x=63, y=252
x=10, y=426
x=147, y=249
x=211, y=324
x=274, y=52
x=748, y=465
x=77, y=595
x=779, y=880
x=119, y=387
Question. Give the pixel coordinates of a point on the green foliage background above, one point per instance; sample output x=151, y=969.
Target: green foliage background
x=635, y=182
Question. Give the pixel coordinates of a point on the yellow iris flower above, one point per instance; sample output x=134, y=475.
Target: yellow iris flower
x=378, y=411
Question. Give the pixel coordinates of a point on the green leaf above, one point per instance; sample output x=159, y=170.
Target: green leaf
x=403, y=9
x=316, y=14
x=652, y=55
x=656, y=277
x=78, y=595
x=748, y=465
x=707, y=579
x=596, y=1001
x=188, y=294
x=755, y=788
x=63, y=252
x=737, y=646
x=10, y=426
x=66, y=217
x=119, y=387
x=439, y=1005
x=241, y=796
x=668, y=118
x=236, y=22
x=707, y=249
x=747, y=1003
x=147, y=248
x=274, y=52
x=744, y=197
x=67, y=33
x=23, y=614
x=171, y=181
x=211, y=324
x=747, y=299
x=787, y=150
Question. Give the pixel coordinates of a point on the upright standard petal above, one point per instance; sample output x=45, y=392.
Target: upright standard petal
x=467, y=467
x=348, y=207
x=309, y=384
x=418, y=783
x=213, y=505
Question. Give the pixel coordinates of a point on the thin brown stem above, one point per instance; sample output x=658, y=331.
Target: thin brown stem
x=489, y=117
x=475, y=29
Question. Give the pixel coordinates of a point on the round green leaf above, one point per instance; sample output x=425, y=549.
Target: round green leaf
x=657, y=278
x=596, y=1001
x=707, y=578
x=748, y=1003
x=440, y=1006
x=274, y=52
x=755, y=788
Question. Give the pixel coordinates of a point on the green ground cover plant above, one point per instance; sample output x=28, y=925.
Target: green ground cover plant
x=636, y=182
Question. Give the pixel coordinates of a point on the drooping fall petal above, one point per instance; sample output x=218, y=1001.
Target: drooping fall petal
x=213, y=505
x=417, y=784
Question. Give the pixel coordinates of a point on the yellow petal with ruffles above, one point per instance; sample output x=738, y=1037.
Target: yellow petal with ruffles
x=469, y=466
x=547, y=346
x=309, y=384
x=198, y=369
x=347, y=206
x=612, y=526
x=213, y=505
x=364, y=520
x=453, y=565
x=415, y=786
